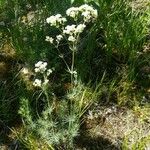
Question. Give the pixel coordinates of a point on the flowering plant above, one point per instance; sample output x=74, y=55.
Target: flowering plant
x=62, y=125
x=71, y=33
x=41, y=67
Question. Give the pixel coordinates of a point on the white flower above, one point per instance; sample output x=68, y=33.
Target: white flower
x=56, y=20
x=44, y=65
x=95, y=13
x=25, y=71
x=69, y=29
x=51, y=20
x=49, y=39
x=37, y=83
x=38, y=64
x=85, y=7
x=73, y=72
x=45, y=82
x=72, y=12
x=58, y=16
x=87, y=16
x=63, y=20
x=37, y=70
x=40, y=67
x=49, y=71
x=88, y=12
x=80, y=28
x=71, y=39
x=59, y=38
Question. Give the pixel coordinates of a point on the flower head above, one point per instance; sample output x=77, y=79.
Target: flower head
x=71, y=39
x=40, y=67
x=69, y=29
x=56, y=20
x=88, y=13
x=51, y=20
x=80, y=28
x=45, y=82
x=72, y=12
x=37, y=83
x=49, y=39
x=59, y=38
x=49, y=71
x=25, y=71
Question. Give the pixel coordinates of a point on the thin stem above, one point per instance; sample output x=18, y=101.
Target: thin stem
x=72, y=65
x=74, y=49
x=63, y=59
x=50, y=106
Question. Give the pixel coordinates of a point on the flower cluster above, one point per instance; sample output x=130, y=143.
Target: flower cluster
x=73, y=12
x=49, y=39
x=37, y=83
x=59, y=38
x=73, y=31
x=88, y=12
x=41, y=67
x=56, y=20
x=25, y=71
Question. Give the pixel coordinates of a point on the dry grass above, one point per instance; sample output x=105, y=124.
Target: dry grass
x=115, y=124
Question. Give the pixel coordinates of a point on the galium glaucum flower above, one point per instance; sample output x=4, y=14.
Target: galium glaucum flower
x=37, y=83
x=38, y=64
x=56, y=20
x=25, y=71
x=72, y=12
x=49, y=71
x=73, y=72
x=45, y=82
x=49, y=39
x=40, y=67
x=71, y=39
x=51, y=20
x=87, y=16
x=80, y=28
x=69, y=29
x=88, y=13
x=58, y=16
x=85, y=7
x=59, y=38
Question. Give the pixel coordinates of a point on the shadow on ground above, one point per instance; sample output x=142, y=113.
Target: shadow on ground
x=98, y=143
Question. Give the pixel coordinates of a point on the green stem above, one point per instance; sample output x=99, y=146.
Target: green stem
x=63, y=59
x=72, y=65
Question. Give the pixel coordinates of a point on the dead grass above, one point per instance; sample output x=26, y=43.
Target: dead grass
x=115, y=124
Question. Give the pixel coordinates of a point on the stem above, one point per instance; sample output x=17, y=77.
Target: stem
x=63, y=59
x=49, y=105
x=74, y=49
x=72, y=65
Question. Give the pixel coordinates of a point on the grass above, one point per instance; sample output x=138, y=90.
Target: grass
x=112, y=63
